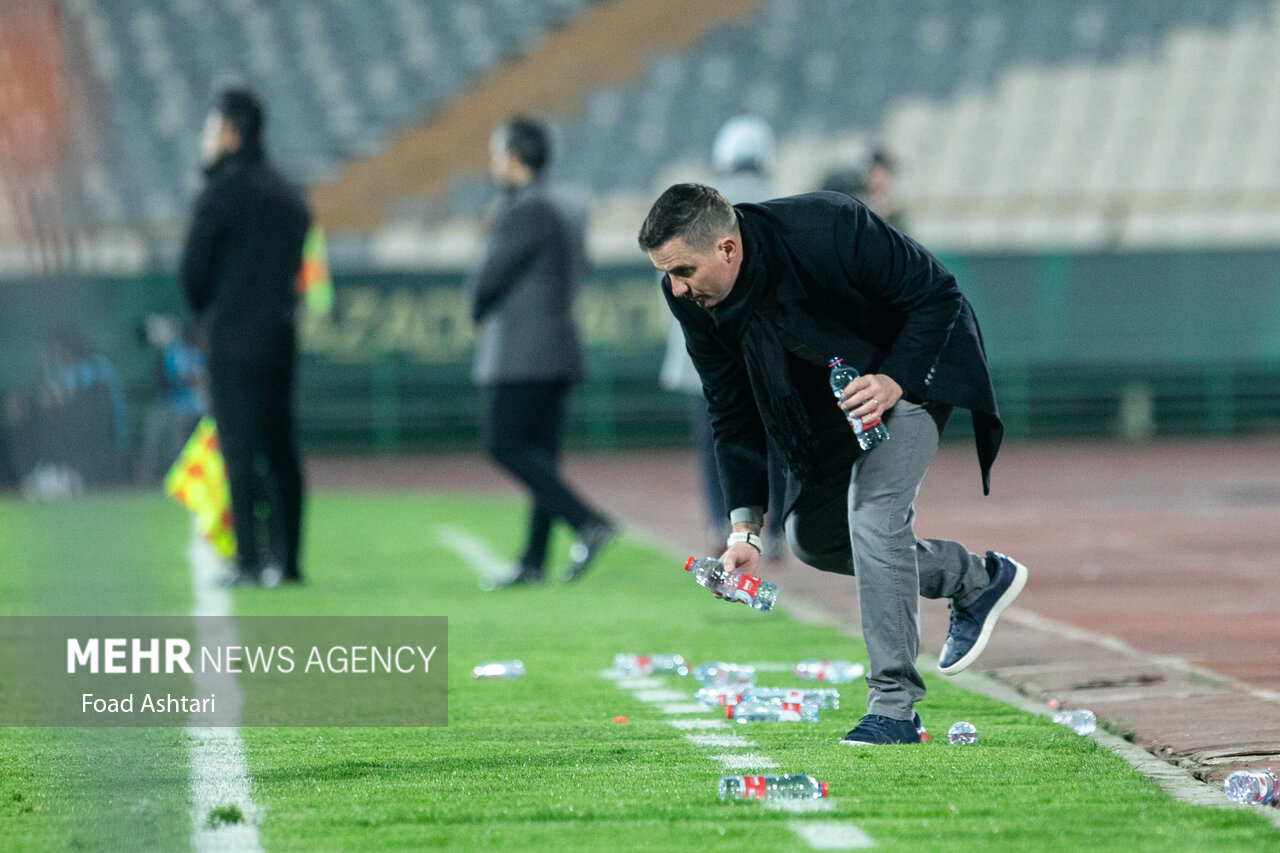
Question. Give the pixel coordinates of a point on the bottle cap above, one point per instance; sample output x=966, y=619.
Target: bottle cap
x=822, y=786
x=688, y=565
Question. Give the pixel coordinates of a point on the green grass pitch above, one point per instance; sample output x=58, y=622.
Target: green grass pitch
x=536, y=763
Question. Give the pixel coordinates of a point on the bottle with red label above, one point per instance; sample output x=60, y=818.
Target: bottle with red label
x=734, y=585
x=868, y=433
x=831, y=671
x=793, y=786
x=750, y=710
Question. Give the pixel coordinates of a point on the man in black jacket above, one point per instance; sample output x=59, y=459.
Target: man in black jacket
x=766, y=295
x=528, y=355
x=239, y=271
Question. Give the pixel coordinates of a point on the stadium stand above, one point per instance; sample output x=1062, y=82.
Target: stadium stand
x=1018, y=122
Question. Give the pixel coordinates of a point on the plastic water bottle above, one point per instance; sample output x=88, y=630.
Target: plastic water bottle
x=793, y=786
x=721, y=674
x=832, y=671
x=1081, y=721
x=868, y=434
x=1253, y=787
x=499, y=669
x=765, y=711
x=735, y=585
x=826, y=698
x=633, y=665
x=713, y=696
x=962, y=733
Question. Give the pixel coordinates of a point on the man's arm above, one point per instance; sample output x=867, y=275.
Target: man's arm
x=519, y=233
x=892, y=269
x=204, y=242
x=735, y=422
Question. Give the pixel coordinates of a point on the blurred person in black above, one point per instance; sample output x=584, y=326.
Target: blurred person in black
x=528, y=354
x=239, y=269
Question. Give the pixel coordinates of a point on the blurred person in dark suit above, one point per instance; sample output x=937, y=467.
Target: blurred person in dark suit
x=528, y=354
x=239, y=269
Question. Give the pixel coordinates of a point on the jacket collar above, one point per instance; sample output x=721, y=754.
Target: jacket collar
x=767, y=278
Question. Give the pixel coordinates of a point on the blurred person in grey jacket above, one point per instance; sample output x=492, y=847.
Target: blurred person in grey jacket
x=742, y=156
x=528, y=353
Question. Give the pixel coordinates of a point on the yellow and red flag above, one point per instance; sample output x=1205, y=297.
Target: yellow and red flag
x=198, y=481
x=315, y=284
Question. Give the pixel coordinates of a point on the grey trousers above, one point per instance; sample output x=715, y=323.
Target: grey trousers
x=859, y=522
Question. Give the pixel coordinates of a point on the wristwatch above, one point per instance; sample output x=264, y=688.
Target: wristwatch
x=750, y=538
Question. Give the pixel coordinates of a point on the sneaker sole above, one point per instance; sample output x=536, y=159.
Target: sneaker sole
x=870, y=743
x=1015, y=588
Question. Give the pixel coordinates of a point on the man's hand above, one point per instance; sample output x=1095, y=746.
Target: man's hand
x=869, y=397
x=740, y=555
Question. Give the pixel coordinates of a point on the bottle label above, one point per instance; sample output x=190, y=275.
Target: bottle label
x=748, y=585
x=643, y=666
x=753, y=788
x=790, y=712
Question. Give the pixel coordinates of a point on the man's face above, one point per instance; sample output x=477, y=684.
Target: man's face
x=500, y=159
x=218, y=138
x=704, y=278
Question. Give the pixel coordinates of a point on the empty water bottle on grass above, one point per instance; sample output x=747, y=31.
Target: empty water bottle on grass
x=962, y=733
x=793, y=786
x=721, y=674
x=833, y=671
x=719, y=695
x=869, y=433
x=825, y=698
x=1080, y=721
x=766, y=711
x=633, y=665
x=1253, y=787
x=499, y=669
x=735, y=585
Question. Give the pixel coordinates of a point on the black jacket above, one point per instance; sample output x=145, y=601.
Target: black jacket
x=240, y=264
x=839, y=281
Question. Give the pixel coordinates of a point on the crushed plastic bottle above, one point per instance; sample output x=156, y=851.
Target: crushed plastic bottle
x=793, y=786
x=765, y=711
x=1253, y=787
x=826, y=698
x=633, y=665
x=869, y=433
x=1080, y=721
x=499, y=669
x=735, y=585
x=721, y=674
x=962, y=733
x=831, y=671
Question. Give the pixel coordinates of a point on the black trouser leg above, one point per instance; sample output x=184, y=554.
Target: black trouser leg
x=522, y=434
x=252, y=404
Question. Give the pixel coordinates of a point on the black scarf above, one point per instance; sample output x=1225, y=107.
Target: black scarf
x=748, y=313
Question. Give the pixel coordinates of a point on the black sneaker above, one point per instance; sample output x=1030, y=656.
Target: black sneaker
x=523, y=576
x=238, y=577
x=971, y=627
x=875, y=730
x=594, y=538
x=920, y=730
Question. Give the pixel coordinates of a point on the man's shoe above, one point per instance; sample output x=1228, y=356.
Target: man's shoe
x=875, y=730
x=594, y=539
x=238, y=578
x=273, y=576
x=525, y=576
x=971, y=627
x=920, y=730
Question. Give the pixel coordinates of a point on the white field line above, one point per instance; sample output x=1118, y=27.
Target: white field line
x=474, y=551
x=820, y=835
x=831, y=835
x=487, y=565
x=219, y=772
